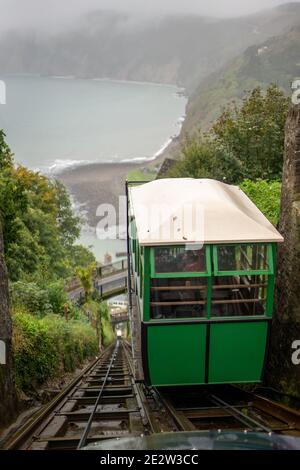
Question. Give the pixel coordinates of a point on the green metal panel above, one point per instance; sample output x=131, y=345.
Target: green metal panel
x=237, y=351
x=176, y=354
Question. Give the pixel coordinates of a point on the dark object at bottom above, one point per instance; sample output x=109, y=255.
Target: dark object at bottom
x=201, y=441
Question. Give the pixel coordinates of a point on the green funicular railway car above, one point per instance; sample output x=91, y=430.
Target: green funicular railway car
x=202, y=263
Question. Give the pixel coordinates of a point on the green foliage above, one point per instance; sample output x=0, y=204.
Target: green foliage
x=141, y=175
x=13, y=204
x=39, y=300
x=254, y=132
x=206, y=158
x=40, y=230
x=80, y=256
x=58, y=297
x=266, y=196
x=77, y=313
x=39, y=226
x=46, y=347
x=107, y=331
x=85, y=276
x=68, y=223
x=6, y=157
x=245, y=142
x=30, y=296
x=98, y=313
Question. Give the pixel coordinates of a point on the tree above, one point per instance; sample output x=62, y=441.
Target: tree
x=39, y=226
x=81, y=256
x=58, y=297
x=206, y=158
x=6, y=156
x=266, y=196
x=244, y=142
x=68, y=223
x=86, y=279
x=254, y=132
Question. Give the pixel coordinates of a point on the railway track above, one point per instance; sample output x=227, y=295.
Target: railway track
x=102, y=403
x=225, y=408
x=105, y=403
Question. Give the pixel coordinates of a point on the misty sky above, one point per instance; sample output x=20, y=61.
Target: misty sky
x=49, y=14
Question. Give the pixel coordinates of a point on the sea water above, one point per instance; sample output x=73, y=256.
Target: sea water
x=53, y=123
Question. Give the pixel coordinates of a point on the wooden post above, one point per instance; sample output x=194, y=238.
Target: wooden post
x=67, y=312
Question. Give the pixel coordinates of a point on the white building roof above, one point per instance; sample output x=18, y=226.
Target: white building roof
x=186, y=210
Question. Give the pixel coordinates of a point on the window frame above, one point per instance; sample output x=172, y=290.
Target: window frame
x=250, y=272
x=211, y=272
x=155, y=275
x=188, y=302
x=242, y=301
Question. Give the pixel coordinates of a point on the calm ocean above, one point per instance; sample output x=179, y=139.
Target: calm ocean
x=53, y=123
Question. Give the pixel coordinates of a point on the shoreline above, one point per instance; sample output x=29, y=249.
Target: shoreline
x=177, y=87
x=59, y=167
x=92, y=183
x=97, y=183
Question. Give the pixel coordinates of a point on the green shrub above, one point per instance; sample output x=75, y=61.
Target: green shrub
x=58, y=297
x=98, y=312
x=77, y=313
x=45, y=347
x=31, y=297
x=266, y=196
x=108, y=334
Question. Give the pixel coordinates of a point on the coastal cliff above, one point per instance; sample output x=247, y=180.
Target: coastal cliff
x=180, y=50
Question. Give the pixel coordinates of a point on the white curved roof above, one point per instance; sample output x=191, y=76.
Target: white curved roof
x=186, y=210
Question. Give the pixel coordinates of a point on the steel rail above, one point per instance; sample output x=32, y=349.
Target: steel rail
x=239, y=415
x=86, y=431
x=180, y=421
x=140, y=397
x=37, y=419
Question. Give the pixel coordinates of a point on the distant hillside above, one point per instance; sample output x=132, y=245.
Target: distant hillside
x=274, y=61
x=179, y=50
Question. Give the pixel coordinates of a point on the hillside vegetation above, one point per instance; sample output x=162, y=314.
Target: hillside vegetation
x=244, y=147
x=51, y=334
x=274, y=61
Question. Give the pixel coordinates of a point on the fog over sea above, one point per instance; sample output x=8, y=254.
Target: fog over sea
x=57, y=122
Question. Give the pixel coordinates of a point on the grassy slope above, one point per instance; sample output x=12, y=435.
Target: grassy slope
x=142, y=174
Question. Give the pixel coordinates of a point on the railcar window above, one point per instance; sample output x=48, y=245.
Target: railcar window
x=242, y=258
x=179, y=259
x=178, y=298
x=239, y=296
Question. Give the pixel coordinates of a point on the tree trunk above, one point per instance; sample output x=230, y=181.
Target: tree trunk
x=283, y=372
x=7, y=385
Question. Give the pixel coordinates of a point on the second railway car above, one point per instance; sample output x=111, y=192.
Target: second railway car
x=201, y=277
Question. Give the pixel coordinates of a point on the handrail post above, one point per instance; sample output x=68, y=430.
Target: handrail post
x=128, y=247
